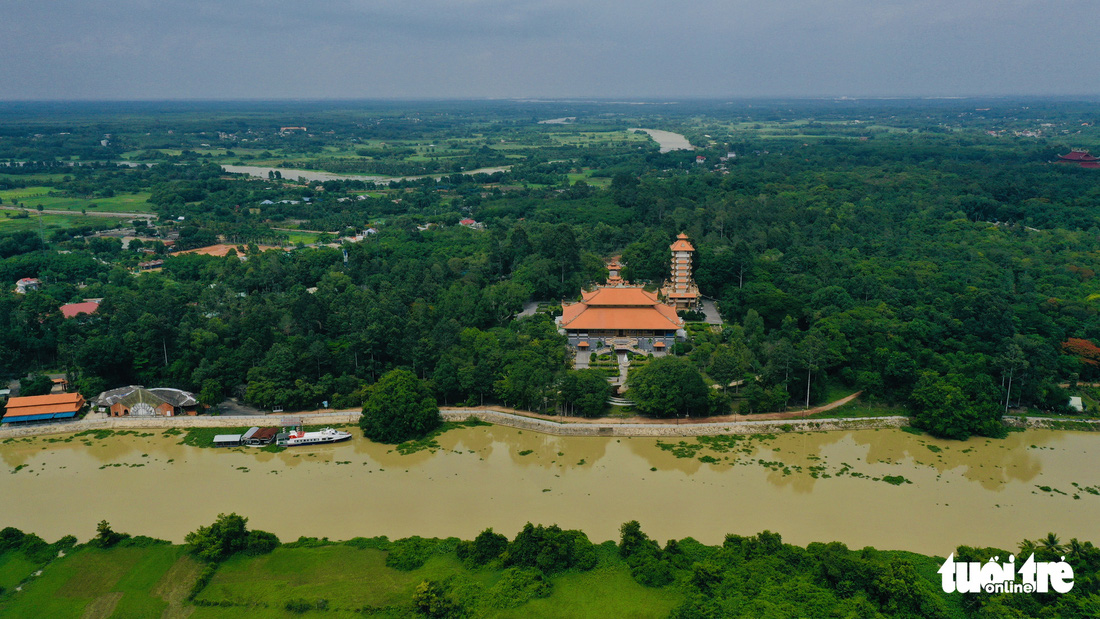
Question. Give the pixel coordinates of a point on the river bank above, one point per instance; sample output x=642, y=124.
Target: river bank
x=881, y=487
x=545, y=424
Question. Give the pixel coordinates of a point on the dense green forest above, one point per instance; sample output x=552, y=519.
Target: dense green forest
x=225, y=569
x=932, y=254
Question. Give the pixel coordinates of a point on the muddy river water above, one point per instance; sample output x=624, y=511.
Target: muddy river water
x=885, y=488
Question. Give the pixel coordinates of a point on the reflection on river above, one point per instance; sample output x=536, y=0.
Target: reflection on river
x=807, y=486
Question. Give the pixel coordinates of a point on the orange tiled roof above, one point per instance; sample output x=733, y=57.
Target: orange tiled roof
x=681, y=243
x=625, y=296
x=43, y=404
x=628, y=308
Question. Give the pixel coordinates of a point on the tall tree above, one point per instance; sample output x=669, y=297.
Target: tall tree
x=399, y=408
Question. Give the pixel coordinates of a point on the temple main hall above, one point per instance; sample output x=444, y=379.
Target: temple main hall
x=621, y=316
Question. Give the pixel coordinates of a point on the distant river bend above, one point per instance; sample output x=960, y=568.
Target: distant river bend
x=667, y=140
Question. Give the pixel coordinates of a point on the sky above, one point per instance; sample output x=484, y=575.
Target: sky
x=667, y=49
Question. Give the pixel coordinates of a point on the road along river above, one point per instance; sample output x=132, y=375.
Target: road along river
x=885, y=488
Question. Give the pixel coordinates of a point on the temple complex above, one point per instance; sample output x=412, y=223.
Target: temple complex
x=1080, y=157
x=620, y=316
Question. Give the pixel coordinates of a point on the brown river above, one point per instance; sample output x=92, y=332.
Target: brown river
x=821, y=486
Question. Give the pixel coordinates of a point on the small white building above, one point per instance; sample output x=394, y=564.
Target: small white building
x=26, y=285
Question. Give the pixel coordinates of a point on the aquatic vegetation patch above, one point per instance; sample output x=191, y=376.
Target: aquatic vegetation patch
x=429, y=442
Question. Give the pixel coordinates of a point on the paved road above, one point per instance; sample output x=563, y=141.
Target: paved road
x=710, y=310
x=528, y=309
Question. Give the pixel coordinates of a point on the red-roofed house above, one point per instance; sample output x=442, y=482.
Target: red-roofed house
x=72, y=310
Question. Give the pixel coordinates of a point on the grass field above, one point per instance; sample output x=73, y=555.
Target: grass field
x=859, y=408
x=48, y=222
x=14, y=568
x=31, y=197
x=122, y=582
x=154, y=581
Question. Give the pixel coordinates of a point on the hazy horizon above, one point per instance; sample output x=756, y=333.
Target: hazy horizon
x=274, y=50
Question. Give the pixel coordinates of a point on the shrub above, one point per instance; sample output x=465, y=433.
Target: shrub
x=485, y=547
x=652, y=571
x=518, y=586
x=106, y=536
x=300, y=605
x=204, y=579
x=431, y=600
x=227, y=536
x=10, y=537
x=551, y=549
x=410, y=553
x=260, y=543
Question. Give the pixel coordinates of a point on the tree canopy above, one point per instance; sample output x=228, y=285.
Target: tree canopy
x=669, y=386
x=399, y=408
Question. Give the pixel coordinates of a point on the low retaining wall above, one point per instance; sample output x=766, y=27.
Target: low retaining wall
x=199, y=421
x=668, y=429
x=1053, y=423
x=610, y=428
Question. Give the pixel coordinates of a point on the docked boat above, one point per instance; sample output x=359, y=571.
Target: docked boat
x=298, y=436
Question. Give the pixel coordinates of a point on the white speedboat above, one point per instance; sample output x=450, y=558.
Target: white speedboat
x=325, y=435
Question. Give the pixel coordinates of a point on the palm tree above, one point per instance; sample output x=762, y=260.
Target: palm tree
x=1075, y=548
x=1052, y=545
x=1027, y=548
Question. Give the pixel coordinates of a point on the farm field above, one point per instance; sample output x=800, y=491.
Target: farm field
x=32, y=197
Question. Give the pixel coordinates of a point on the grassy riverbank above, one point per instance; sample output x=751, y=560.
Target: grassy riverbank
x=566, y=576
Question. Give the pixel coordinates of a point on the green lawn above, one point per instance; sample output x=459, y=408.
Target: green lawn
x=49, y=222
x=31, y=197
x=122, y=582
x=14, y=568
x=603, y=592
x=348, y=578
x=859, y=408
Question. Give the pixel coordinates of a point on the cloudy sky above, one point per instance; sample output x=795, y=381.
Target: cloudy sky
x=260, y=49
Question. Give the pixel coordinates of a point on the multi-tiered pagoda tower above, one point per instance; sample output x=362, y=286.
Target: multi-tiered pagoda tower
x=680, y=289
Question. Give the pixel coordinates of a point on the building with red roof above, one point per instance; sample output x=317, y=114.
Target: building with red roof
x=620, y=317
x=72, y=310
x=1081, y=157
x=27, y=284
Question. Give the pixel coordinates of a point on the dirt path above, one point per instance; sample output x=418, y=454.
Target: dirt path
x=650, y=420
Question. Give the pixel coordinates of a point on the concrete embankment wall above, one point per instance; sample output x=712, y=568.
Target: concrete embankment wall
x=163, y=423
x=608, y=427
x=1049, y=423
